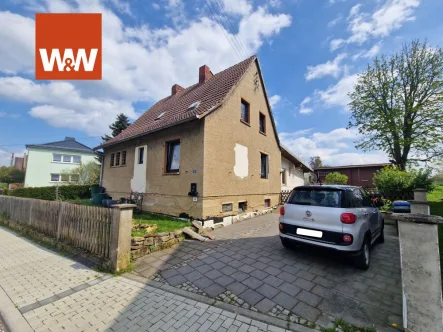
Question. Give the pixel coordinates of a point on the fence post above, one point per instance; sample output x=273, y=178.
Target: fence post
x=59, y=221
x=120, y=246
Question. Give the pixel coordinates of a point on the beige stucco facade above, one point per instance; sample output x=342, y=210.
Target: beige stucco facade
x=219, y=153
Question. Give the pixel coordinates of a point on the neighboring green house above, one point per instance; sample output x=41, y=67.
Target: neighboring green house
x=47, y=164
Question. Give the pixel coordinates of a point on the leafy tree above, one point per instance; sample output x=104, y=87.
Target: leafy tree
x=315, y=162
x=336, y=178
x=397, y=104
x=85, y=174
x=11, y=175
x=117, y=127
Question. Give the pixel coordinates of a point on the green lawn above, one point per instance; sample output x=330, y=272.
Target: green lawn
x=436, y=199
x=164, y=223
x=3, y=185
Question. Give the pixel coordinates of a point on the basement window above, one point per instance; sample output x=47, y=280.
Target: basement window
x=242, y=206
x=227, y=207
x=267, y=202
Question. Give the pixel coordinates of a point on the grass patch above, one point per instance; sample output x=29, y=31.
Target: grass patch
x=84, y=201
x=436, y=199
x=164, y=223
x=346, y=327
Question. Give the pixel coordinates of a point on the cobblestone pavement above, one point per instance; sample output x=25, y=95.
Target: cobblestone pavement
x=28, y=275
x=248, y=267
x=83, y=300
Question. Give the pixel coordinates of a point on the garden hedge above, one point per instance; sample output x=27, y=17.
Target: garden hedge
x=53, y=193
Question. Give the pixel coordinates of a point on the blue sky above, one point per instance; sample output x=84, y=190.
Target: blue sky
x=311, y=52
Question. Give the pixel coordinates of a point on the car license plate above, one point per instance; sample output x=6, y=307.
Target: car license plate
x=309, y=232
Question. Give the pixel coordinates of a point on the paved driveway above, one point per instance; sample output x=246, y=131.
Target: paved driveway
x=247, y=266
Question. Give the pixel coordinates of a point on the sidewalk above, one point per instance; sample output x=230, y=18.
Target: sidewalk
x=48, y=292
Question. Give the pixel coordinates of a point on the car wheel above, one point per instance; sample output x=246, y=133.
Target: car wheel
x=381, y=238
x=286, y=243
x=363, y=259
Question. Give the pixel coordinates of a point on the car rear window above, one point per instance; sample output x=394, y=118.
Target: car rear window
x=316, y=197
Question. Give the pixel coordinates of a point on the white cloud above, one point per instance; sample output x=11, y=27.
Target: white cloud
x=241, y=7
x=140, y=63
x=275, y=3
x=387, y=17
x=5, y=158
x=274, y=100
x=304, y=109
x=372, y=52
x=63, y=105
x=336, y=44
x=334, y=147
x=335, y=21
x=337, y=94
x=17, y=43
x=330, y=68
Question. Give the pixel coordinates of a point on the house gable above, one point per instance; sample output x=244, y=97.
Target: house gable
x=231, y=144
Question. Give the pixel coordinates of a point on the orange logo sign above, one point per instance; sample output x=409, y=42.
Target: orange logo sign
x=68, y=46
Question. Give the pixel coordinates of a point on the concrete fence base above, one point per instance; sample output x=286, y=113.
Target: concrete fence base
x=421, y=272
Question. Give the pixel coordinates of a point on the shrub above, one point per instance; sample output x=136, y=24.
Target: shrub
x=336, y=178
x=51, y=193
x=395, y=184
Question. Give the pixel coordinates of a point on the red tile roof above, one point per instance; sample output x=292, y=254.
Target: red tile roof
x=210, y=94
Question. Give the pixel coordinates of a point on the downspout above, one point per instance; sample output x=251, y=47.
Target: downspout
x=101, y=170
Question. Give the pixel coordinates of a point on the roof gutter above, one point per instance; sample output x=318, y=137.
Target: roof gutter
x=195, y=117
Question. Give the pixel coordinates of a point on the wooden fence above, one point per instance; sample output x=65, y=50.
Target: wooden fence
x=86, y=227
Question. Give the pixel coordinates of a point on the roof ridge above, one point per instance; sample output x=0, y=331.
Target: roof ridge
x=210, y=93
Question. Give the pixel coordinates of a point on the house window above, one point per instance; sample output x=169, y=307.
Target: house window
x=267, y=202
x=244, y=111
x=75, y=178
x=141, y=155
x=76, y=159
x=55, y=177
x=264, y=165
x=262, y=123
x=173, y=157
x=66, y=158
x=112, y=159
x=323, y=173
x=117, y=159
x=227, y=207
x=123, y=158
x=64, y=177
x=242, y=206
x=57, y=157
x=283, y=176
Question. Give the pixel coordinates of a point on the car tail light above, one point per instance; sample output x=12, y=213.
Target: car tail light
x=347, y=218
x=282, y=210
x=282, y=227
x=347, y=238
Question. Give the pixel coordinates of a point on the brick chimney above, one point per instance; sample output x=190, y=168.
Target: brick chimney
x=204, y=74
x=176, y=89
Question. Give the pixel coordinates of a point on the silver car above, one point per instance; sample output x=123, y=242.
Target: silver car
x=342, y=218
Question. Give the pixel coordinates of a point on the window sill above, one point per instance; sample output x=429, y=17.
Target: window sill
x=172, y=173
x=244, y=122
x=263, y=133
x=264, y=178
x=65, y=163
x=117, y=166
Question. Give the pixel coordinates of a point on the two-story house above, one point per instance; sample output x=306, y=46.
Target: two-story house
x=207, y=150
x=49, y=164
